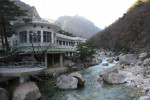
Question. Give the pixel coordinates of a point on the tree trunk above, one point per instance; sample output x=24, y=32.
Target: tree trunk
x=5, y=34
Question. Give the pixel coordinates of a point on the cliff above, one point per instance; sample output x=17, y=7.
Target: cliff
x=31, y=10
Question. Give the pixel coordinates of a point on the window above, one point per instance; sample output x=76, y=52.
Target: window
x=63, y=42
x=60, y=42
x=23, y=36
x=35, y=36
x=46, y=36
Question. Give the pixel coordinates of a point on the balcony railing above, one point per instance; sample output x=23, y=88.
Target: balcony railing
x=25, y=64
x=40, y=20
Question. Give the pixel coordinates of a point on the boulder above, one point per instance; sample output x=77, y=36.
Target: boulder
x=104, y=73
x=116, y=78
x=143, y=56
x=81, y=80
x=112, y=76
x=4, y=95
x=100, y=79
x=128, y=59
x=147, y=62
x=26, y=91
x=65, y=82
x=116, y=58
x=105, y=64
x=110, y=60
x=69, y=63
x=144, y=98
x=98, y=60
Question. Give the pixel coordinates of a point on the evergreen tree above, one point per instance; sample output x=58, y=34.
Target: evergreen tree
x=8, y=11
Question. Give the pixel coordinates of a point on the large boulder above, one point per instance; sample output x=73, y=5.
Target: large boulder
x=113, y=76
x=116, y=78
x=26, y=91
x=65, y=82
x=4, y=95
x=104, y=73
x=128, y=59
x=79, y=77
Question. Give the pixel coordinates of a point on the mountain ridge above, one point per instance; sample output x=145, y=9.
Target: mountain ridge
x=78, y=26
x=128, y=33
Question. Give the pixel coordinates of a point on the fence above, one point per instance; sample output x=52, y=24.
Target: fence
x=25, y=64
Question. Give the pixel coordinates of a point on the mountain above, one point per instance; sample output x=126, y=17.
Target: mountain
x=78, y=26
x=130, y=32
x=32, y=12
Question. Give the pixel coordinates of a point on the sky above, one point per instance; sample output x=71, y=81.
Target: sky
x=101, y=12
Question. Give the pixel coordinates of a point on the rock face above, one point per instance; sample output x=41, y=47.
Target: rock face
x=26, y=91
x=128, y=59
x=4, y=95
x=81, y=80
x=31, y=10
x=78, y=26
x=65, y=82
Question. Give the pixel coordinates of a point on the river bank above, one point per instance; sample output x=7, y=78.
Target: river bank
x=133, y=70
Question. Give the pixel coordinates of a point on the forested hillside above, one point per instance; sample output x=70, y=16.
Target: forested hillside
x=78, y=26
x=130, y=32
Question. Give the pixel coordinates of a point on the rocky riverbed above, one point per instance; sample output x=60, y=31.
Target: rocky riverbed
x=132, y=69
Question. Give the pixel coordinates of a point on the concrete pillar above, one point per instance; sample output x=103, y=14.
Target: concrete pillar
x=52, y=37
x=28, y=36
x=61, y=60
x=45, y=58
x=18, y=39
x=41, y=36
x=52, y=59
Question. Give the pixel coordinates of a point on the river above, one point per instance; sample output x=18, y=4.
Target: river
x=92, y=89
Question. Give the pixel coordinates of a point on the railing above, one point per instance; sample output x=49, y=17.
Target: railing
x=25, y=64
x=42, y=47
x=34, y=44
x=53, y=22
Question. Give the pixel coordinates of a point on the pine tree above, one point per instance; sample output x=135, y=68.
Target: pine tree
x=8, y=11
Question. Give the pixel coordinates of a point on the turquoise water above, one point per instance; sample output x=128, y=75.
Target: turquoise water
x=92, y=89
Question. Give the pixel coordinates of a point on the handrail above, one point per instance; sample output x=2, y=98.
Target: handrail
x=25, y=64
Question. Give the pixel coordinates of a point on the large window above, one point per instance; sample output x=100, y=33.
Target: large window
x=34, y=36
x=46, y=36
x=23, y=36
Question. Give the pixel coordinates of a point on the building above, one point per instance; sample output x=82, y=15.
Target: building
x=41, y=37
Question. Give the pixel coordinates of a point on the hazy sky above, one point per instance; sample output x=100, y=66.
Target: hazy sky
x=101, y=12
